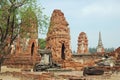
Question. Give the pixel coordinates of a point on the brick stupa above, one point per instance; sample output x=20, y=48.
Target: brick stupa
x=100, y=47
x=58, y=37
x=24, y=51
x=82, y=43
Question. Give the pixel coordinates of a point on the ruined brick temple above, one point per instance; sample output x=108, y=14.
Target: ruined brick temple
x=82, y=43
x=25, y=47
x=58, y=37
x=24, y=53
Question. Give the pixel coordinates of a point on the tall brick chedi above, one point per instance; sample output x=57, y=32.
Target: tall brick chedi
x=82, y=43
x=58, y=37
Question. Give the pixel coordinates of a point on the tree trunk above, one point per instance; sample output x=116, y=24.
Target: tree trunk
x=0, y=66
x=1, y=61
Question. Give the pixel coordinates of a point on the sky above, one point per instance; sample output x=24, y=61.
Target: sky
x=91, y=17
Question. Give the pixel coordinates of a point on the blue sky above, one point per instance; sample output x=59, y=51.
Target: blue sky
x=89, y=16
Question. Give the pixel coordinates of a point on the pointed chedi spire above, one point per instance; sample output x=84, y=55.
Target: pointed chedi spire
x=100, y=48
x=100, y=40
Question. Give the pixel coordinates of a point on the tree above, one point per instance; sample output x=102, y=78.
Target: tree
x=92, y=50
x=109, y=50
x=11, y=12
x=42, y=43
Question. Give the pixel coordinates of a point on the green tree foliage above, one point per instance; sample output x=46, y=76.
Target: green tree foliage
x=92, y=50
x=42, y=43
x=32, y=10
x=11, y=13
x=109, y=50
